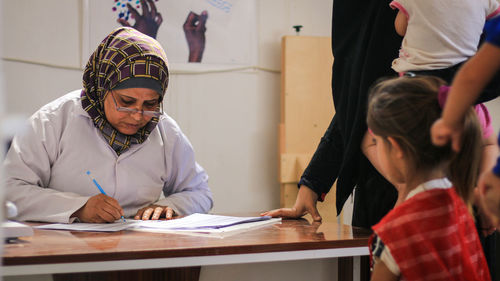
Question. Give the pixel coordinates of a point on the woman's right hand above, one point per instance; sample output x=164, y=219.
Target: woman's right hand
x=99, y=208
x=304, y=204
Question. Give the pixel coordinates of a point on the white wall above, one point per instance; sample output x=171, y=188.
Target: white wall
x=231, y=118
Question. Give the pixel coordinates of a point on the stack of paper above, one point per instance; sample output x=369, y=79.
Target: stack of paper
x=196, y=224
x=204, y=224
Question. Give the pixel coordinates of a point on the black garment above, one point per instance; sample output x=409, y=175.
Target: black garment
x=364, y=43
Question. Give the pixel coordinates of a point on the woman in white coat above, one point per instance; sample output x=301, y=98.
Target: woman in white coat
x=114, y=129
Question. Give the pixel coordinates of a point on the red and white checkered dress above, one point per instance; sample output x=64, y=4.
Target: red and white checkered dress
x=432, y=236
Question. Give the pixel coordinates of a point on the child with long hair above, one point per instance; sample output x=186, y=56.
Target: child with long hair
x=430, y=235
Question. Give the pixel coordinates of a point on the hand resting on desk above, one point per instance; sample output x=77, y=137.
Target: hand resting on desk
x=154, y=212
x=99, y=208
x=304, y=204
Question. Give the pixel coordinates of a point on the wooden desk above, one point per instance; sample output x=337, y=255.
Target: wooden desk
x=51, y=251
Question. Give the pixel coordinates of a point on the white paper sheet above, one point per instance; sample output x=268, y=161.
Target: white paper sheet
x=199, y=221
x=100, y=227
x=195, y=222
x=214, y=232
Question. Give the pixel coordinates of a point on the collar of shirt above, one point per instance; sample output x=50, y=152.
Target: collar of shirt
x=442, y=183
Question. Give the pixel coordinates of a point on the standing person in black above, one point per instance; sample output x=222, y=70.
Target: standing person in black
x=364, y=44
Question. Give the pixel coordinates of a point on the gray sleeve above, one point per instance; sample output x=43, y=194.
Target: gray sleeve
x=27, y=169
x=186, y=191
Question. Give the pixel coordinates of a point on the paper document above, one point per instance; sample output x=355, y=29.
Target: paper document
x=221, y=232
x=196, y=222
x=199, y=221
x=80, y=226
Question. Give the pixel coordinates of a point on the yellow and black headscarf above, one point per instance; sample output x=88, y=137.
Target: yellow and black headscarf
x=123, y=55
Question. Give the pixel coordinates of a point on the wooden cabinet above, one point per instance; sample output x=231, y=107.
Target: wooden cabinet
x=306, y=111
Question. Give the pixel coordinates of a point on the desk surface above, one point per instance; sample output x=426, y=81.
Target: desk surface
x=48, y=247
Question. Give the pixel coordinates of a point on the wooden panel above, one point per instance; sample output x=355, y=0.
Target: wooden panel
x=292, y=166
x=307, y=104
x=306, y=111
x=288, y=194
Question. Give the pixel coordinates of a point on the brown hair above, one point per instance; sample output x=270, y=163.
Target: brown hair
x=405, y=108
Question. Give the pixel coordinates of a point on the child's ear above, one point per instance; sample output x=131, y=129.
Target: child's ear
x=397, y=148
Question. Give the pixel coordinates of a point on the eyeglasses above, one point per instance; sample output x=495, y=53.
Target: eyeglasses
x=127, y=110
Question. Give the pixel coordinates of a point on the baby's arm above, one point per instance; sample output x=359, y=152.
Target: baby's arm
x=401, y=23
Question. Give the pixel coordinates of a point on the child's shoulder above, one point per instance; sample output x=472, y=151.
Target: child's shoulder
x=426, y=205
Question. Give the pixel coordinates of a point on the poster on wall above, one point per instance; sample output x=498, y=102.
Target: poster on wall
x=196, y=34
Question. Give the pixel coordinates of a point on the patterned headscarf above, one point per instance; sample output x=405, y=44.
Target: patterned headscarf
x=125, y=53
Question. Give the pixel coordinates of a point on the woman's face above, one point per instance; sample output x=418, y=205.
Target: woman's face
x=134, y=98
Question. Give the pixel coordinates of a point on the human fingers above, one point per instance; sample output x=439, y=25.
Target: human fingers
x=123, y=22
x=104, y=215
x=113, y=204
x=97, y=210
x=152, y=6
x=140, y=212
x=283, y=213
x=440, y=134
x=159, y=19
x=157, y=213
x=190, y=20
x=109, y=210
x=456, y=141
x=202, y=20
x=169, y=213
x=147, y=213
x=135, y=14
x=313, y=211
x=145, y=9
x=138, y=215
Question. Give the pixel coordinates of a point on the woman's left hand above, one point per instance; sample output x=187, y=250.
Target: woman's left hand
x=154, y=212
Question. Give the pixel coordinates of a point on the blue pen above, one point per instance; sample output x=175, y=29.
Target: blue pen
x=99, y=187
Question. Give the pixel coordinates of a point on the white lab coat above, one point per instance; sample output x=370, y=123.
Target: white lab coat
x=46, y=167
